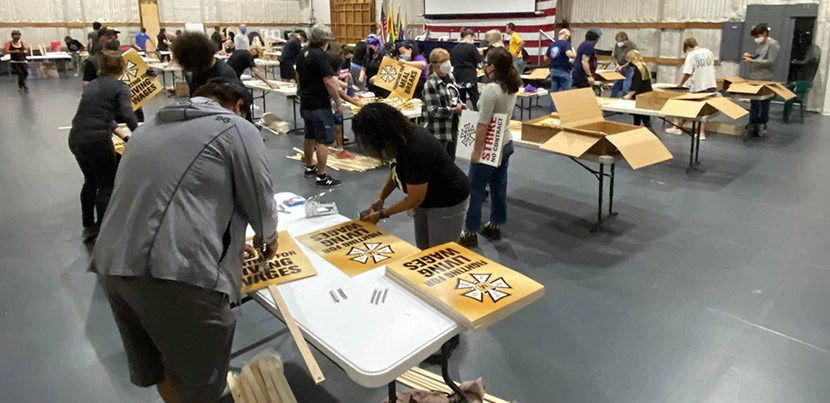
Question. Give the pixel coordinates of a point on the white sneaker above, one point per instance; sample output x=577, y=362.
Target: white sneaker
x=674, y=130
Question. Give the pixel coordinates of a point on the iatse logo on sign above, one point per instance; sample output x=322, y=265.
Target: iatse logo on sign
x=373, y=251
x=481, y=285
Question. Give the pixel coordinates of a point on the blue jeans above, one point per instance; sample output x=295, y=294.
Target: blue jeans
x=480, y=176
x=622, y=87
x=520, y=65
x=759, y=112
x=560, y=80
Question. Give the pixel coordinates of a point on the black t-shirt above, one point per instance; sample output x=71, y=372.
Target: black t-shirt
x=160, y=39
x=465, y=59
x=313, y=66
x=291, y=51
x=371, y=64
x=359, y=53
x=639, y=84
x=241, y=60
x=91, y=67
x=424, y=160
x=219, y=69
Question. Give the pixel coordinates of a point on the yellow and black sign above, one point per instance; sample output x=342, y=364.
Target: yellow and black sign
x=289, y=264
x=355, y=247
x=401, y=80
x=472, y=289
x=142, y=87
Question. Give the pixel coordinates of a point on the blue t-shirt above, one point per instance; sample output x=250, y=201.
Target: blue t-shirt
x=585, y=49
x=556, y=54
x=141, y=40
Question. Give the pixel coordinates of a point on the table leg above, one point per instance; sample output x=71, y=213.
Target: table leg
x=692, y=147
x=611, y=194
x=393, y=395
x=445, y=373
x=601, y=178
x=697, y=143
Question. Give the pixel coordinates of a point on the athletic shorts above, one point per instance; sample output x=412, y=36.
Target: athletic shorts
x=173, y=330
x=319, y=125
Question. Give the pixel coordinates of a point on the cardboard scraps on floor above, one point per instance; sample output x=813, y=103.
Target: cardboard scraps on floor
x=360, y=163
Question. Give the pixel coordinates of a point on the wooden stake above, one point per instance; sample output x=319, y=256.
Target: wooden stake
x=313, y=368
x=235, y=387
x=261, y=371
x=248, y=379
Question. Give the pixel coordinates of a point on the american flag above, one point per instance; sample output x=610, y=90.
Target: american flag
x=527, y=25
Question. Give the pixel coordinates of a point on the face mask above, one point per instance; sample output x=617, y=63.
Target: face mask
x=243, y=30
x=620, y=44
x=446, y=67
x=759, y=39
x=405, y=58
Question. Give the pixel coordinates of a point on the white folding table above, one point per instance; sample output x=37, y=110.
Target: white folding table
x=164, y=68
x=269, y=66
x=373, y=343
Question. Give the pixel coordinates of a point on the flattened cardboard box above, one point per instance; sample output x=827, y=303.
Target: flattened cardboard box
x=608, y=75
x=540, y=74
x=738, y=85
x=585, y=131
x=289, y=264
x=692, y=106
x=355, y=247
x=470, y=288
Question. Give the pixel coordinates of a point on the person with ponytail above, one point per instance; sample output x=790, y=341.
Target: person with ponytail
x=498, y=97
x=640, y=82
x=441, y=104
x=437, y=191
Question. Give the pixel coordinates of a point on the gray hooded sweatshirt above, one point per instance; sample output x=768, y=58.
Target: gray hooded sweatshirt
x=188, y=183
x=765, y=56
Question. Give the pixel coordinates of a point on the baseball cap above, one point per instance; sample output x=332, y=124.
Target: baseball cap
x=596, y=31
x=104, y=31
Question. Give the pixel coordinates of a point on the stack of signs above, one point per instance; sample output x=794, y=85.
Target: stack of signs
x=491, y=153
x=399, y=79
x=470, y=288
x=355, y=247
x=142, y=86
x=289, y=264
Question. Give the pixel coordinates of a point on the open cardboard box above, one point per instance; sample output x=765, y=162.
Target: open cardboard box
x=535, y=132
x=654, y=100
x=692, y=106
x=738, y=85
x=585, y=131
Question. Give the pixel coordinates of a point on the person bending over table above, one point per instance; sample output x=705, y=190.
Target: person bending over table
x=437, y=191
x=241, y=60
x=140, y=40
x=441, y=103
x=90, y=138
x=466, y=58
x=290, y=52
x=371, y=65
x=410, y=56
x=74, y=47
x=618, y=55
x=700, y=68
x=640, y=82
x=16, y=48
x=761, y=67
x=585, y=64
x=558, y=55
x=317, y=88
x=170, y=250
x=498, y=97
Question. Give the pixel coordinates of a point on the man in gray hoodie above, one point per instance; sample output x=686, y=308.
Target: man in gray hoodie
x=761, y=67
x=171, y=244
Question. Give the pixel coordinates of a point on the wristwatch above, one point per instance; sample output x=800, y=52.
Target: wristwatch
x=383, y=215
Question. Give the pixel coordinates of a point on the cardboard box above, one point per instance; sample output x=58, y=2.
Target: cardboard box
x=691, y=106
x=737, y=85
x=585, y=131
x=540, y=74
x=608, y=75
x=654, y=100
x=535, y=131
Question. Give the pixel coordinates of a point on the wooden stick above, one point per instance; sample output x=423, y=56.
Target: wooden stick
x=278, y=375
x=235, y=387
x=313, y=368
x=248, y=387
x=261, y=371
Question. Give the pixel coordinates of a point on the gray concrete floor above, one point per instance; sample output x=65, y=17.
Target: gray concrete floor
x=708, y=287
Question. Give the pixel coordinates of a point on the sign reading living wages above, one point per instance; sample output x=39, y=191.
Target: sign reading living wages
x=355, y=247
x=401, y=80
x=289, y=264
x=472, y=289
x=142, y=87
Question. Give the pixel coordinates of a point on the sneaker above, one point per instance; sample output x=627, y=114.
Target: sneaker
x=76, y=75
x=310, y=171
x=491, y=231
x=328, y=181
x=674, y=130
x=90, y=232
x=762, y=130
x=468, y=239
x=344, y=155
x=702, y=136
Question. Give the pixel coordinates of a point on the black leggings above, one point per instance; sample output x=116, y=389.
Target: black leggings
x=473, y=92
x=22, y=72
x=97, y=159
x=645, y=120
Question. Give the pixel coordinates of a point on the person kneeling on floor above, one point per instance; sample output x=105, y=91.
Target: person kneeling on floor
x=170, y=249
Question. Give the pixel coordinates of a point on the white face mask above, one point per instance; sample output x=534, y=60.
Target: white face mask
x=620, y=44
x=759, y=39
x=445, y=68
